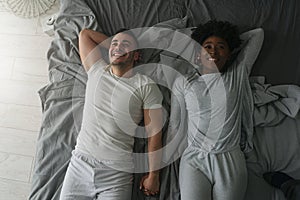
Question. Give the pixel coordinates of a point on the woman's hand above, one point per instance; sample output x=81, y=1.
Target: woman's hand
x=149, y=184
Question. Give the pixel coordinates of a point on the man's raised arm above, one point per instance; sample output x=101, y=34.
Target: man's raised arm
x=88, y=46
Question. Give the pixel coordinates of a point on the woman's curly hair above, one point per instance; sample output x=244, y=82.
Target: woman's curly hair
x=222, y=29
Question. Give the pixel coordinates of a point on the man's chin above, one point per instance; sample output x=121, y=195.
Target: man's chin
x=117, y=60
x=117, y=63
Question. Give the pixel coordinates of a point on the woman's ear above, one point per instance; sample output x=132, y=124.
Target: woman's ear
x=230, y=57
x=136, y=56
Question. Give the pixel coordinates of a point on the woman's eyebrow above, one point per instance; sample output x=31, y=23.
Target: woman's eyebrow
x=212, y=42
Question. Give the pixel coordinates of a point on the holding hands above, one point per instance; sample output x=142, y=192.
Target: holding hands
x=149, y=184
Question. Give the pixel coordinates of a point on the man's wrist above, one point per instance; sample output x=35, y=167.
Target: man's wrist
x=154, y=174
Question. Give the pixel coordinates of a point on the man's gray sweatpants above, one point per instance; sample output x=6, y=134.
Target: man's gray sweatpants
x=89, y=179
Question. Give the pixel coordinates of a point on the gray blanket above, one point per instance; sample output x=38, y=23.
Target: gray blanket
x=63, y=97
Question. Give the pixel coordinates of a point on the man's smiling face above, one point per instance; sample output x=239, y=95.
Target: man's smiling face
x=122, y=50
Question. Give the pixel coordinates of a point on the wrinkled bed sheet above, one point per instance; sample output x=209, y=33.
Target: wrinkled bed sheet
x=276, y=138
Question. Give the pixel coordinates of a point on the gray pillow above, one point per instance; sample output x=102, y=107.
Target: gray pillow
x=173, y=66
x=153, y=40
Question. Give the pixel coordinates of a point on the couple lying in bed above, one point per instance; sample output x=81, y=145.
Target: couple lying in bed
x=117, y=99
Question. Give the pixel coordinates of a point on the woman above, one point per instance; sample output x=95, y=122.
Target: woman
x=213, y=165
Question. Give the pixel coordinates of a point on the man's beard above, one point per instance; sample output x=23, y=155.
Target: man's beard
x=125, y=63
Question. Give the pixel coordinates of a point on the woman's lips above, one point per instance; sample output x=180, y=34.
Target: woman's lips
x=212, y=59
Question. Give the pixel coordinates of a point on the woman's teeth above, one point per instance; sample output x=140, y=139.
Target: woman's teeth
x=212, y=59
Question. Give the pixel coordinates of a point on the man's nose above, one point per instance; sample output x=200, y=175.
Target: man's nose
x=117, y=47
x=120, y=46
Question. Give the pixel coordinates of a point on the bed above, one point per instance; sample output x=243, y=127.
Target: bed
x=275, y=83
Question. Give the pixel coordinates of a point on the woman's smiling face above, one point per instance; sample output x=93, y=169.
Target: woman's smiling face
x=214, y=54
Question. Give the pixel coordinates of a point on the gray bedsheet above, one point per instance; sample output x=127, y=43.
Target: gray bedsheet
x=63, y=98
x=276, y=136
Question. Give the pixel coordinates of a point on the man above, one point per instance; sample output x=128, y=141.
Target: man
x=117, y=99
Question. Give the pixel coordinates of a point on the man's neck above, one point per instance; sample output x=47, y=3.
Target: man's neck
x=125, y=72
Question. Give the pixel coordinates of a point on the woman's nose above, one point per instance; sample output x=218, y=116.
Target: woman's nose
x=212, y=51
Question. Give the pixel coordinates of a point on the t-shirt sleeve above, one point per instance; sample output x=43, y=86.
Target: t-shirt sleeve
x=152, y=96
x=99, y=65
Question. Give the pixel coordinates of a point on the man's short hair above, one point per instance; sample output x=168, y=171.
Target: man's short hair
x=128, y=32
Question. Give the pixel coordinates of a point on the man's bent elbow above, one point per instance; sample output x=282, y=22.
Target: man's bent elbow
x=83, y=33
